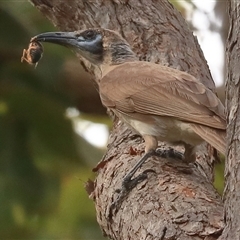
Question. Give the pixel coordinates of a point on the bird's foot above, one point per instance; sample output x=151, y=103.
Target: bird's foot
x=129, y=182
x=127, y=185
x=169, y=153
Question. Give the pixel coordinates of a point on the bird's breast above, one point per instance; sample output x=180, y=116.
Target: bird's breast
x=163, y=128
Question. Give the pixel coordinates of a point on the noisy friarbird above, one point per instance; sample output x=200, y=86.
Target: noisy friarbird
x=160, y=103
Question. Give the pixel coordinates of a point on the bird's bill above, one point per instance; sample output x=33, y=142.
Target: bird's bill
x=91, y=49
x=62, y=38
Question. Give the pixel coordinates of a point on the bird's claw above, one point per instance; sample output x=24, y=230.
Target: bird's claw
x=170, y=153
x=127, y=185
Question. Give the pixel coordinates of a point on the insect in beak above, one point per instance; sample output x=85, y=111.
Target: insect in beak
x=33, y=54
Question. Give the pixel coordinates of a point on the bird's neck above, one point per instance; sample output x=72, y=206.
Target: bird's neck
x=118, y=54
x=121, y=53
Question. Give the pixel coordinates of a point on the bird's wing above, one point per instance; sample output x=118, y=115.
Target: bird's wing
x=147, y=88
x=215, y=137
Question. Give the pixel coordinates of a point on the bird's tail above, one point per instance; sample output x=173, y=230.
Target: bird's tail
x=215, y=137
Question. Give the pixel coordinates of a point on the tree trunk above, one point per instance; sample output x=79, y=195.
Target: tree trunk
x=232, y=168
x=178, y=201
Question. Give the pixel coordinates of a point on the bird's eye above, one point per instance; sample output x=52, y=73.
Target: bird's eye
x=89, y=34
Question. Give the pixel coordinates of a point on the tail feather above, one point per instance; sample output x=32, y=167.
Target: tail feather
x=215, y=137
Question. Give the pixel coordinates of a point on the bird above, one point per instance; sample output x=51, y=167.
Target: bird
x=158, y=102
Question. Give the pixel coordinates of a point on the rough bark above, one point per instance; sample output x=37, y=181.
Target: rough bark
x=178, y=201
x=232, y=167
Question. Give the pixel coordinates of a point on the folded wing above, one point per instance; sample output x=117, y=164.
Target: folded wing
x=147, y=88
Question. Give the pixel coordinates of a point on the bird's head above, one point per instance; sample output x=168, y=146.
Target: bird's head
x=98, y=46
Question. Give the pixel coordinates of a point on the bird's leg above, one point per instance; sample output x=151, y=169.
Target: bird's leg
x=128, y=183
x=190, y=153
x=151, y=144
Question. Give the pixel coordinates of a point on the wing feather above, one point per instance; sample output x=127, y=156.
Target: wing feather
x=147, y=88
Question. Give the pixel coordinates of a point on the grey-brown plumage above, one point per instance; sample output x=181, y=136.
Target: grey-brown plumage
x=160, y=103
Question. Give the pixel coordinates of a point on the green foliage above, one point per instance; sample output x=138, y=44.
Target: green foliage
x=43, y=163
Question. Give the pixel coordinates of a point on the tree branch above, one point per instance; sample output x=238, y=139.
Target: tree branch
x=178, y=201
x=232, y=167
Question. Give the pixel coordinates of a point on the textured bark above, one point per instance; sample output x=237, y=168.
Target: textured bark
x=232, y=168
x=178, y=201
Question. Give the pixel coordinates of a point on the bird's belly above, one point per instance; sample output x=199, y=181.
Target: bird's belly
x=165, y=129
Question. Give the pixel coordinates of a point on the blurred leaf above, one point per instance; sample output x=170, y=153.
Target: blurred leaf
x=219, y=176
x=43, y=115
